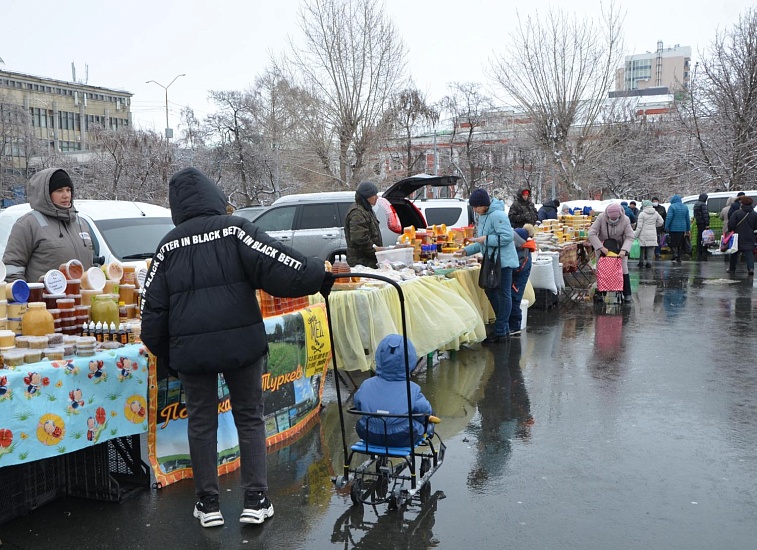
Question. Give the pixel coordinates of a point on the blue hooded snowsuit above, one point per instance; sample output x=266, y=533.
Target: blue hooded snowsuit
x=387, y=393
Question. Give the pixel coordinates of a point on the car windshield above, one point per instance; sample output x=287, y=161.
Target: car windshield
x=134, y=238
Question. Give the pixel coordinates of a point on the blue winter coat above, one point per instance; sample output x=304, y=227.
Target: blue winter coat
x=677, y=220
x=493, y=224
x=628, y=211
x=387, y=393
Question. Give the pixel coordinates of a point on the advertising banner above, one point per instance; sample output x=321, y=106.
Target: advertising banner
x=293, y=377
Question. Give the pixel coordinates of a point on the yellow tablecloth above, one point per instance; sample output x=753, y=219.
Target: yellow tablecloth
x=468, y=279
x=439, y=315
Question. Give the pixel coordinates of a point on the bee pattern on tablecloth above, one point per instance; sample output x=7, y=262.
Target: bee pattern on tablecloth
x=125, y=366
x=75, y=400
x=5, y=391
x=51, y=429
x=97, y=371
x=34, y=383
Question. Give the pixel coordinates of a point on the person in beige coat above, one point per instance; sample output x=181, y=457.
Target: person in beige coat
x=646, y=231
x=51, y=234
x=613, y=224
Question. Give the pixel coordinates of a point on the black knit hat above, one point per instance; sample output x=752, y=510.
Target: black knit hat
x=60, y=179
x=479, y=197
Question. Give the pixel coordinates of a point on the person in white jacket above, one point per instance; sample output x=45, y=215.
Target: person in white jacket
x=646, y=231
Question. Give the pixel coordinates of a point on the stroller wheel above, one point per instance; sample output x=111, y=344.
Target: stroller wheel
x=356, y=491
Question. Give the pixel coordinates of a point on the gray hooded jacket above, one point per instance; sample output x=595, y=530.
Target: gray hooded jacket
x=47, y=236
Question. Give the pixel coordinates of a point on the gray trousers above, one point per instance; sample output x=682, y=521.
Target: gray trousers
x=246, y=394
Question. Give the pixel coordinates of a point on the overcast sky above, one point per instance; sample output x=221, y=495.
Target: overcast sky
x=224, y=44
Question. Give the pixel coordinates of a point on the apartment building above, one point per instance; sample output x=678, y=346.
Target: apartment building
x=664, y=68
x=54, y=115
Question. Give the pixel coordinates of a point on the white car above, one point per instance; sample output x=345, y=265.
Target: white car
x=123, y=231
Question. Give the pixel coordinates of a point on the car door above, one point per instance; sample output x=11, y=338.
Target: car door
x=278, y=222
x=318, y=231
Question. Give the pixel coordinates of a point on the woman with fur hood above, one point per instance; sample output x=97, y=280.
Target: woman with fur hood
x=646, y=231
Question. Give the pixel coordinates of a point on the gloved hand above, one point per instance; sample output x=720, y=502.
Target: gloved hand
x=328, y=282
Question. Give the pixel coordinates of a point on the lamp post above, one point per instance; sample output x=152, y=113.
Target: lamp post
x=169, y=132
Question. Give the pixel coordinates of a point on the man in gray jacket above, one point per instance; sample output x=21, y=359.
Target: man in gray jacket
x=51, y=234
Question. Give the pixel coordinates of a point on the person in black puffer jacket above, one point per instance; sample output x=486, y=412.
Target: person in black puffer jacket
x=200, y=317
x=548, y=211
x=522, y=211
x=702, y=217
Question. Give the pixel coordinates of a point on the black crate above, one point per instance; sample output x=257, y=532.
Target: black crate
x=545, y=299
x=25, y=487
x=111, y=471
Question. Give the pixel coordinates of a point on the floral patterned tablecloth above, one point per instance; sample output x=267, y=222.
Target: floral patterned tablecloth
x=56, y=407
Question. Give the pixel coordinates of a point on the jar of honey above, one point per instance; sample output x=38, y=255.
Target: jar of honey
x=36, y=291
x=104, y=309
x=37, y=321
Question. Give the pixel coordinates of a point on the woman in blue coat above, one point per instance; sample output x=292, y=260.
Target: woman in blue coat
x=677, y=225
x=494, y=230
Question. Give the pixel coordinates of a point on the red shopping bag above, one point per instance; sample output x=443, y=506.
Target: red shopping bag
x=609, y=274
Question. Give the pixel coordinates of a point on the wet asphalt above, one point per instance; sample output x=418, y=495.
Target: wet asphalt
x=602, y=427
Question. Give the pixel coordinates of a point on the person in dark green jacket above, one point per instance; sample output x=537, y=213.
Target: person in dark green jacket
x=361, y=227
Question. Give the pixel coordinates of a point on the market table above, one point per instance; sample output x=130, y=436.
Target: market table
x=439, y=312
x=51, y=408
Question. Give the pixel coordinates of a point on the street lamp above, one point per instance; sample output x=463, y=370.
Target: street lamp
x=169, y=132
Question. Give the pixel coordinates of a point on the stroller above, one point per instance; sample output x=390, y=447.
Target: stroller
x=609, y=280
x=393, y=475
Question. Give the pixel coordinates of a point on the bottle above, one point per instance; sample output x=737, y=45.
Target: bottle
x=91, y=329
x=84, y=329
x=112, y=333
x=130, y=334
x=99, y=331
x=122, y=336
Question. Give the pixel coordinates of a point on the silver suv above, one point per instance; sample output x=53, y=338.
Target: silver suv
x=313, y=223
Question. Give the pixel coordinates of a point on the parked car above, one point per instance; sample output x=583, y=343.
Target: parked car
x=313, y=223
x=125, y=231
x=250, y=212
x=715, y=201
x=450, y=212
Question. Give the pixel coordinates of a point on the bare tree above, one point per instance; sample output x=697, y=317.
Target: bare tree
x=721, y=111
x=558, y=70
x=408, y=113
x=17, y=144
x=469, y=109
x=350, y=61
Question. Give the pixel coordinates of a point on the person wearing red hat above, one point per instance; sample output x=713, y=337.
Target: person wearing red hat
x=522, y=210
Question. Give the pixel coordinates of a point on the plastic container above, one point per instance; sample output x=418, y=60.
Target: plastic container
x=37, y=321
x=51, y=300
x=73, y=287
x=93, y=279
x=129, y=275
x=38, y=342
x=404, y=255
x=15, y=310
x=17, y=291
x=72, y=269
x=54, y=340
x=22, y=341
x=524, y=314
x=113, y=271
x=126, y=293
x=7, y=338
x=33, y=355
x=54, y=354
x=14, y=357
x=36, y=290
x=54, y=281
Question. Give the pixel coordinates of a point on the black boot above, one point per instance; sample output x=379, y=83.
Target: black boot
x=626, y=287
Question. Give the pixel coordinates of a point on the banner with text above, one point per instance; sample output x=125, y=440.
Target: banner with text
x=293, y=377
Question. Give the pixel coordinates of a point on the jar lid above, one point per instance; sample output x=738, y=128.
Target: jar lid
x=55, y=281
x=75, y=281
x=53, y=296
x=37, y=305
x=85, y=340
x=36, y=285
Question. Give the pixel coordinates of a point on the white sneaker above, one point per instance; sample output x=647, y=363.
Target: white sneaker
x=208, y=511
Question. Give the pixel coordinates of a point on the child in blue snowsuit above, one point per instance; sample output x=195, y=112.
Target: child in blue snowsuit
x=387, y=393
